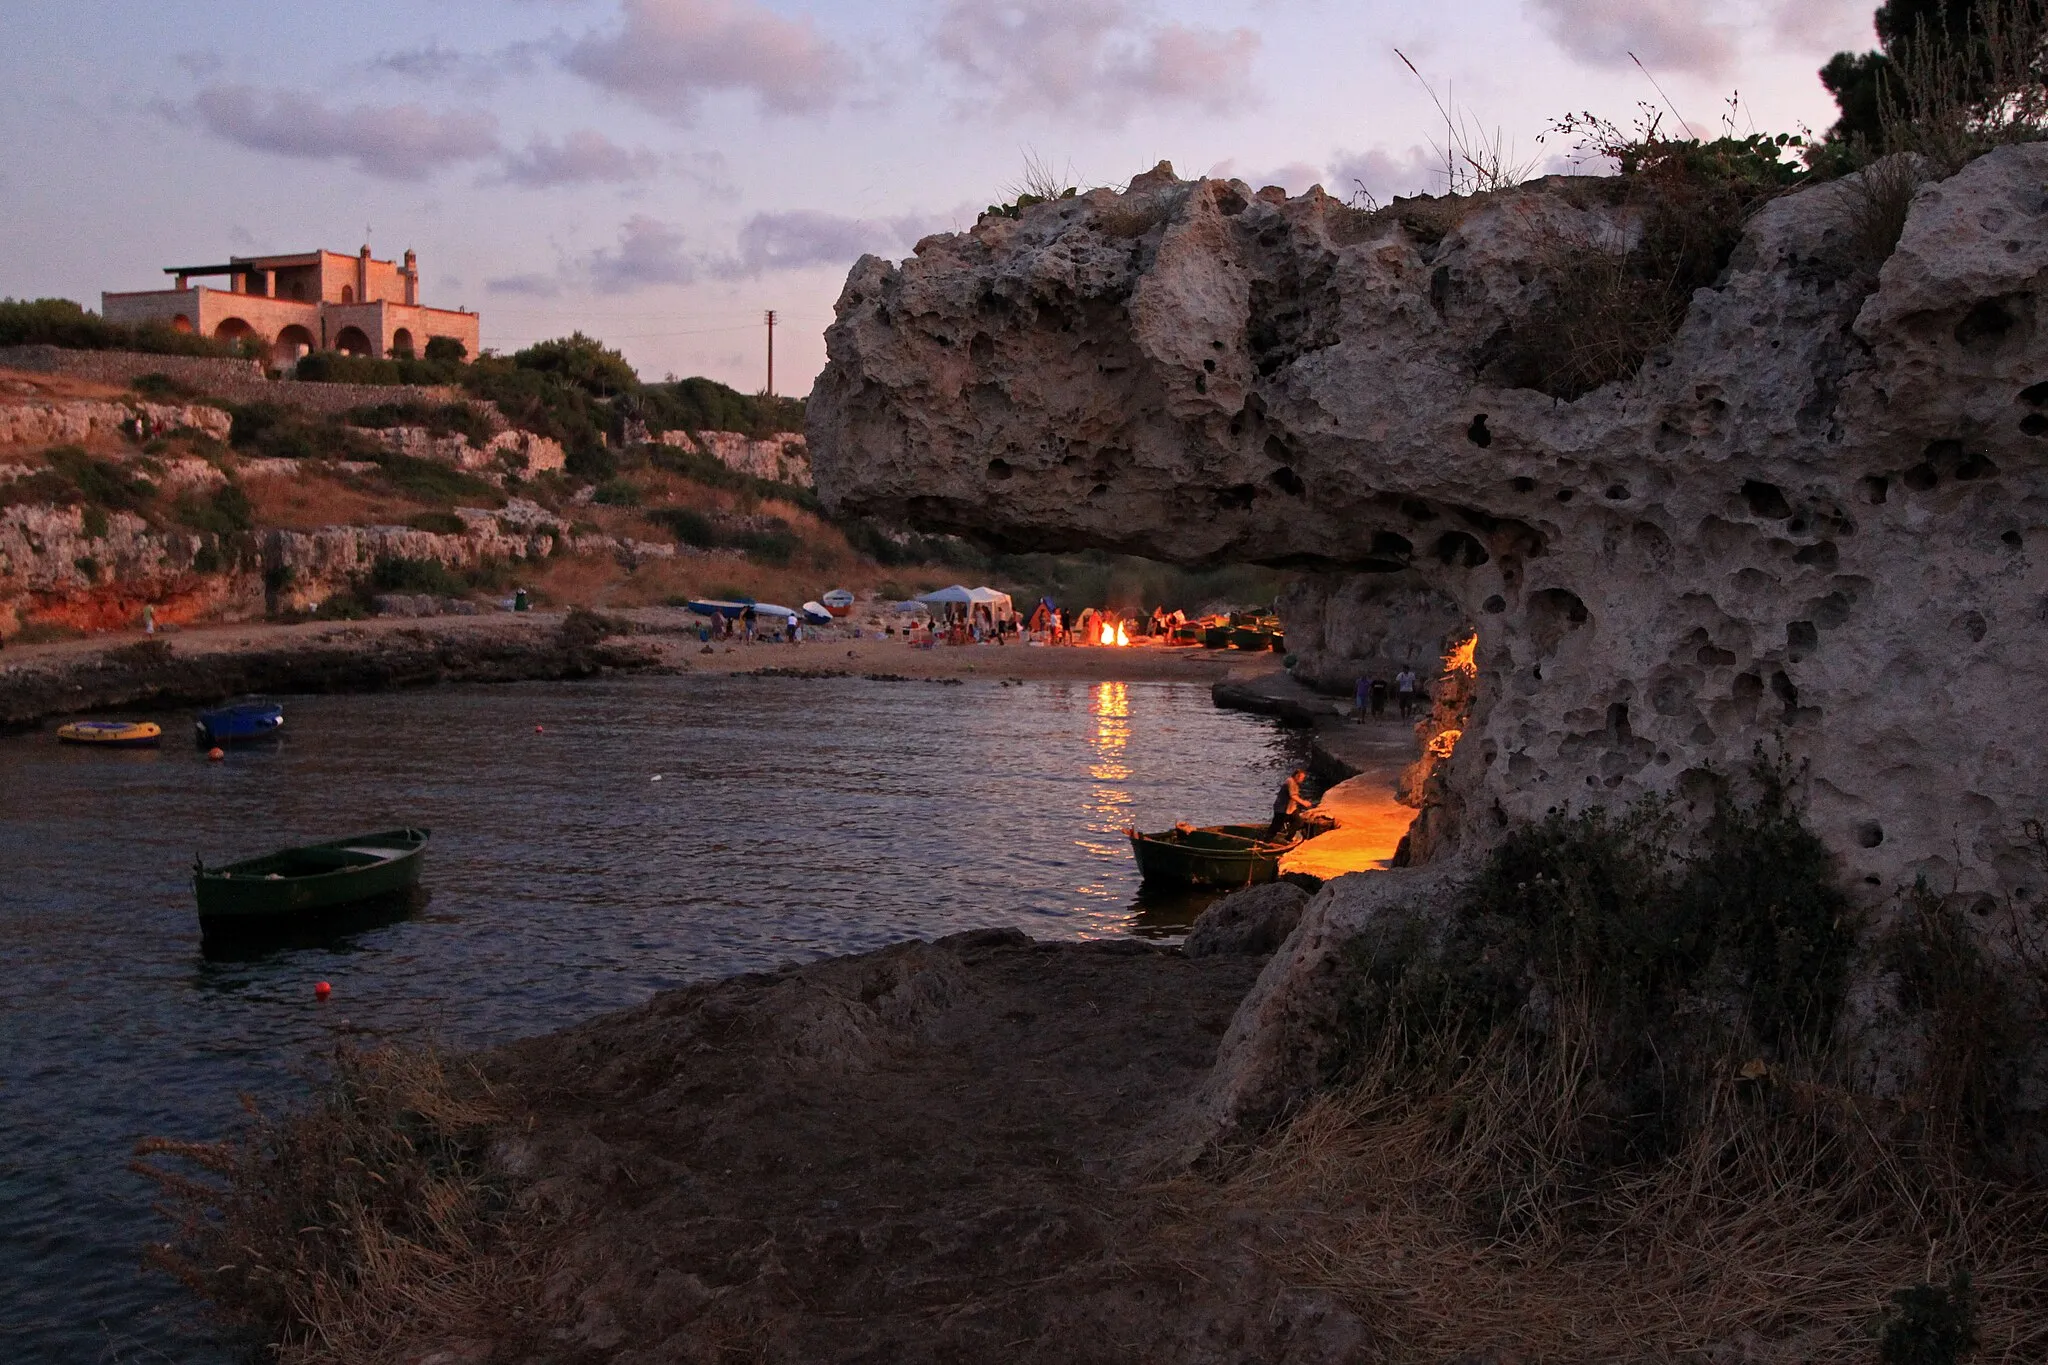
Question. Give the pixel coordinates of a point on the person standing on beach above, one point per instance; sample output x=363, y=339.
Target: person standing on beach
x=1360, y=697
x=148, y=619
x=1404, y=683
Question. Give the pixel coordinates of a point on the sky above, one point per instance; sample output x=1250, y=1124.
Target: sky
x=658, y=173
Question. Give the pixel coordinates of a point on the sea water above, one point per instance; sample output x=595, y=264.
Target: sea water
x=651, y=832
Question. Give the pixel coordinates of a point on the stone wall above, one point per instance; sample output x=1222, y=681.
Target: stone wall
x=236, y=381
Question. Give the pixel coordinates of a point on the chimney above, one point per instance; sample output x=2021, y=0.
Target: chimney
x=363, y=274
x=412, y=277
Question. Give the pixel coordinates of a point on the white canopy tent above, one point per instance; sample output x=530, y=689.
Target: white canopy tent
x=966, y=599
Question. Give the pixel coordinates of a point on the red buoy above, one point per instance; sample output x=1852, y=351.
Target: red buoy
x=215, y=755
x=321, y=990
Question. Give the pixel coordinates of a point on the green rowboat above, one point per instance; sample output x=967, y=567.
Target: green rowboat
x=301, y=882
x=1215, y=855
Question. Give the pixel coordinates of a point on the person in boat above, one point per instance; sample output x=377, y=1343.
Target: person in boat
x=1289, y=807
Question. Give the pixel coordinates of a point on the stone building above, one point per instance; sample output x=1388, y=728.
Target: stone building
x=312, y=300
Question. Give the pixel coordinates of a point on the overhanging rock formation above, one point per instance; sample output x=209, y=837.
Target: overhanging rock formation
x=1817, y=513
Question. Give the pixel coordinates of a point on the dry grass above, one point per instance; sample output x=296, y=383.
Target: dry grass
x=1454, y=1209
x=367, y=1219
x=1881, y=197
x=1952, y=101
x=310, y=501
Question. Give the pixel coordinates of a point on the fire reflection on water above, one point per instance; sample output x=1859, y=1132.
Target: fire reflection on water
x=1109, y=799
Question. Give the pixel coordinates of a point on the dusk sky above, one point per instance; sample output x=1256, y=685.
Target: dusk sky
x=657, y=172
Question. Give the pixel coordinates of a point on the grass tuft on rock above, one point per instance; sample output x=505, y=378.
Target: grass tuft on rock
x=324, y=1231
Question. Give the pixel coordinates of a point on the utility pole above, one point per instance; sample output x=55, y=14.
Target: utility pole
x=771, y=352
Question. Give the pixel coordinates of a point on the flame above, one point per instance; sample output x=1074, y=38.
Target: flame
x=1122, y=638
x=1463, y=656
x=1108, y=634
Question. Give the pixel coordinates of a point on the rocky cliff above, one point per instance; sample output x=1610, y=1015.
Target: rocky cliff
x=1812, y=516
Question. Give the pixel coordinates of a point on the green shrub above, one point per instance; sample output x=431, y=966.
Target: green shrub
x=1605, y=311
x=227, y=512
x=774, y=546
x=60, y=322
x=161, y=387
x=446, y=351
x=441, y=523
x=582, y=361
x=1613, y=916
x=274, y=431
x=699, y=404
x=687, y=525
x=616, y=492
x=439, y=419
x=431, y=481
x=100, y=483
x=415, y=576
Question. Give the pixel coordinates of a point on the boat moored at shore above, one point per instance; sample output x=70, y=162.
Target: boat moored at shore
x=112, y=734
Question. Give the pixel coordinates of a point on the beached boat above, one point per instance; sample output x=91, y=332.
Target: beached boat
x=239, y=722
x=112, y=734
x=712, y=606
x=1212, y=855
x=838, y=601
x=296, y=883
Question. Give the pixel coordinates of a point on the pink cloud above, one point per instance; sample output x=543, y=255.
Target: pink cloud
x=1094, y=59
x=395, y=141
x=668, y=54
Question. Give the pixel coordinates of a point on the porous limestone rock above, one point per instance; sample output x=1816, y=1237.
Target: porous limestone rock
x=783, y=458
x=1253, y=921
x=77, y=421
x=1341, y=627
x=522, y=451
x=1817, y=515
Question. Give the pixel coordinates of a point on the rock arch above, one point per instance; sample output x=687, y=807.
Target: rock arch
x=1805, y=522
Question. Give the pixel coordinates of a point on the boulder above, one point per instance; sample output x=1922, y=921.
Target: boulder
x=1253, y=921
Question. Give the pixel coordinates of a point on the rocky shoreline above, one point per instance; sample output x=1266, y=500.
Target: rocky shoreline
x=196, y=667
x=171, y=670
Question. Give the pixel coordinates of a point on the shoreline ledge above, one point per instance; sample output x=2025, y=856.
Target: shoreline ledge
x=930, y=1152
x=202, y=665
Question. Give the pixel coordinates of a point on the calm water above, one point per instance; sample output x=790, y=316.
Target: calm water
x=791, y=819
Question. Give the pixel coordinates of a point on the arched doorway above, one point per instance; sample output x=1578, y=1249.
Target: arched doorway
x=181, y=323
x=401, y=343
x=352, y=341
x=348, y=293
x=293, y=342
x=233, y=329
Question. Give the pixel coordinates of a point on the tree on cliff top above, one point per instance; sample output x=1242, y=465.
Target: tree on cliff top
x=583, y=361
x=1976, y=49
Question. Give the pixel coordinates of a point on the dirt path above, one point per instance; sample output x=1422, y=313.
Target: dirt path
x=921, y=1154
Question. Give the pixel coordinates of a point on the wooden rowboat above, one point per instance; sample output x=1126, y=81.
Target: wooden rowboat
x=298, y=883
x=1213, y=855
